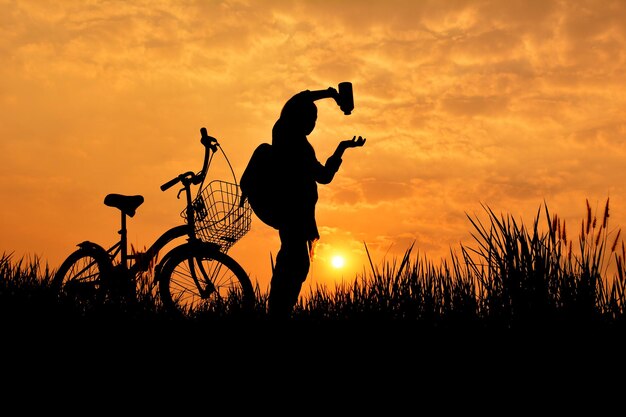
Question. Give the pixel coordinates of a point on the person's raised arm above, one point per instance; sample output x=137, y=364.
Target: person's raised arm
x=330, y=92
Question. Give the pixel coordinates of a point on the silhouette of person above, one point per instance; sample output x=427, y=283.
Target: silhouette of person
x=299, y=171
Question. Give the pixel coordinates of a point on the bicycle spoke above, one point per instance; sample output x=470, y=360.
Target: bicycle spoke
x=82, y=274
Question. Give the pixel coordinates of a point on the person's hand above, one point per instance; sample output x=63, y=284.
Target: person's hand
x=334, y=94
x=353, y=143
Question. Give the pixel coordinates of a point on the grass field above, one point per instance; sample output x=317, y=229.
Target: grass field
x=514, y=275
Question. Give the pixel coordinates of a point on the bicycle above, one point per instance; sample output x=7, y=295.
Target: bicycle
x=195, y=275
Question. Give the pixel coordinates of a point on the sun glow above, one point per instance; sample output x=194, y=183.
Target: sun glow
x=338, y=261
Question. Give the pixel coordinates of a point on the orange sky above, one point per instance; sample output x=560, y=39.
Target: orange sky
x=504, y=103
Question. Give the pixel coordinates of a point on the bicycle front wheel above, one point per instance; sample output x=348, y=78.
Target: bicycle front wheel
x=204, y=280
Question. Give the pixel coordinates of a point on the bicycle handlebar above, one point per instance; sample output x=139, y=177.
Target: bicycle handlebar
x=210, y=144
x=208, y=141
x=175, y=181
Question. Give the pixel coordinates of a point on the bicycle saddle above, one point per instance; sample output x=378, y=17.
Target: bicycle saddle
x=126, y=203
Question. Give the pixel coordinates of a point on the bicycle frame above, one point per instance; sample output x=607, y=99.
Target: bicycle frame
x=142, y=259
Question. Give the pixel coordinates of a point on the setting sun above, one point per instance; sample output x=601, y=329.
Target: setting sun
x=338, y=261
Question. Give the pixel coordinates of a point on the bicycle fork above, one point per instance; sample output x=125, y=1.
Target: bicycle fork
x=205, y=291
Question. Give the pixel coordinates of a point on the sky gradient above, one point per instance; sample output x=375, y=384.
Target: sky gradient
x=463, y=104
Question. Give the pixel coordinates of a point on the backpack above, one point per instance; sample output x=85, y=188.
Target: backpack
x=259, y=184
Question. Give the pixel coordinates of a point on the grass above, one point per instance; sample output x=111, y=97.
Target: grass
x=512, y=276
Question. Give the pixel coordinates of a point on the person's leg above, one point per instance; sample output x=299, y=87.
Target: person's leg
x=290, y=271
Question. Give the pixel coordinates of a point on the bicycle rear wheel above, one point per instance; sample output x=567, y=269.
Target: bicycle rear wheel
x=204, y=281
x=80, y=276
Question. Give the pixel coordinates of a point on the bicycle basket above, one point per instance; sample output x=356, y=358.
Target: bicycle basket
x=218, y=217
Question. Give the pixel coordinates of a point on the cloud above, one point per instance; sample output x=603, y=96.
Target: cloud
x=475, y=105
